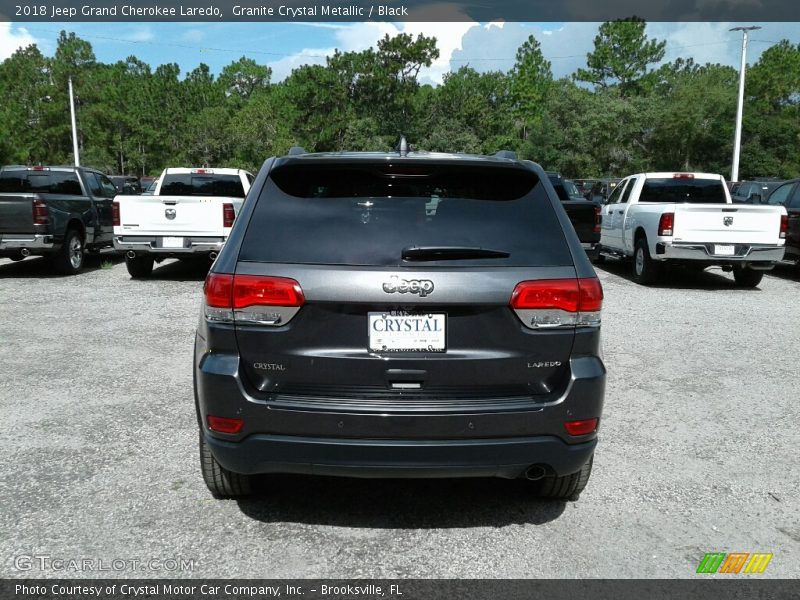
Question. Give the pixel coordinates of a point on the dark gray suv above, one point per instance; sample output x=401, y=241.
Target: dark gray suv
x=400, y=315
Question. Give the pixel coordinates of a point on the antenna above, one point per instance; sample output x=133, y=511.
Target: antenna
x=402, y=146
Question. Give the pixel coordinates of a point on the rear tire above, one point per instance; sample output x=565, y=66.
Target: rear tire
x=747, y=278
x=567, y=487
x=69, y=258
x=645, y=269
x=221, y=482
x=140, y=266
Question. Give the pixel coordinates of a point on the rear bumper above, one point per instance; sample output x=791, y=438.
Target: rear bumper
x=460, y=441
x=142, y=244
x=508, y=458
x=743, y=253
x=35, y=243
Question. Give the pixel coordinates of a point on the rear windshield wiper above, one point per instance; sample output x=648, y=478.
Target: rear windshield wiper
x=450, y=253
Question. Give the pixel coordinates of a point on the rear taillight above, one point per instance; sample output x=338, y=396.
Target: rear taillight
x=41, y=216
x=558, y=302
x=582, y=427
x=784, y=226
x=598, y=219
x=228, y=215
x=115, y=214
x=252, y=299
x=666, y=224
x=224, y=424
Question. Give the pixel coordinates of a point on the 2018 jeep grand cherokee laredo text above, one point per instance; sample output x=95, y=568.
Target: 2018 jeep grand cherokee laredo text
x=412, y=314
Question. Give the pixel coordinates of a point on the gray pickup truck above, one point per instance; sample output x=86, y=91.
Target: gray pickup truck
x=55, y=211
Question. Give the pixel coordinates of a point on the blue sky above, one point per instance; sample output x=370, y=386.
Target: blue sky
x=285, y=46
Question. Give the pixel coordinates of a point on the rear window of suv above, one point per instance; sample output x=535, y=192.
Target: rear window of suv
x=202, y=185
x=692, y=191
x=344, y=214
x=18, y=181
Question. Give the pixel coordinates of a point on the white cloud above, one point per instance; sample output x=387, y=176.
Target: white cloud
x=12, y=39
x=193, y=36
x=141, y=34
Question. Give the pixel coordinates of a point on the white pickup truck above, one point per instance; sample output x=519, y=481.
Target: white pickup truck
x=190, y=214
x=688, y=218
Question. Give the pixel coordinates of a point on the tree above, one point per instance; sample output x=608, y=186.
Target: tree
x=241, y=79
x=531, y=79
x=621, y=56
x=694, y=125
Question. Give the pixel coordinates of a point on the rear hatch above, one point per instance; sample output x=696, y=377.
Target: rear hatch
x=702, y=213
x=370, y=285
x=188, y=205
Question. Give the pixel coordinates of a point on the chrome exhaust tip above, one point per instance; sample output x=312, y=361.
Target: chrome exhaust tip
x=212, y=255
x=535, y=473
x=130, y=254
x=25, y=252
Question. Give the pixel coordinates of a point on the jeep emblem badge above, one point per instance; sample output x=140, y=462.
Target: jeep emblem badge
x=727, y=221
x=170, y=213
x=423, y=287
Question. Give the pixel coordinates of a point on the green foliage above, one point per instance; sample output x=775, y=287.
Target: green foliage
x=621, y=56
x=616, y=116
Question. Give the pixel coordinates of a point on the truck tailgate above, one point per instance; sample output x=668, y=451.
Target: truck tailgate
x=16, y=213
x=727, y=223
x=582, y=215
x=173, y=215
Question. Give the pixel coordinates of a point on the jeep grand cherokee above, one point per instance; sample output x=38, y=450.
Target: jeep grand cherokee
x=400, y=315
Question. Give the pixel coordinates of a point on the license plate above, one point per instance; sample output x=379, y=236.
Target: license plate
x=724, y=250
x=392, y=332
x=173, y=242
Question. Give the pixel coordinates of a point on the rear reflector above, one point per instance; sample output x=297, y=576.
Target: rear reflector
x=115, y=214
x=41, y=216
x=666, y=224
x=784, y=226
x=582, y=427
x=228, y=215
x=224, y=425
x=558, y=302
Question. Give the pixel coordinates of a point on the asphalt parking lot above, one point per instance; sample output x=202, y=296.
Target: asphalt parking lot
x=698, y=449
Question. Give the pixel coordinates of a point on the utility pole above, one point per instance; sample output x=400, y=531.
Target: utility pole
x=74, y=126
x=737, y=139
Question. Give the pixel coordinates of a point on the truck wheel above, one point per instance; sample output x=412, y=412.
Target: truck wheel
x=567, y=487
x=221, y=482
x=645, y=269
x=747, y=278
x=140, y=266
x=69, y=259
